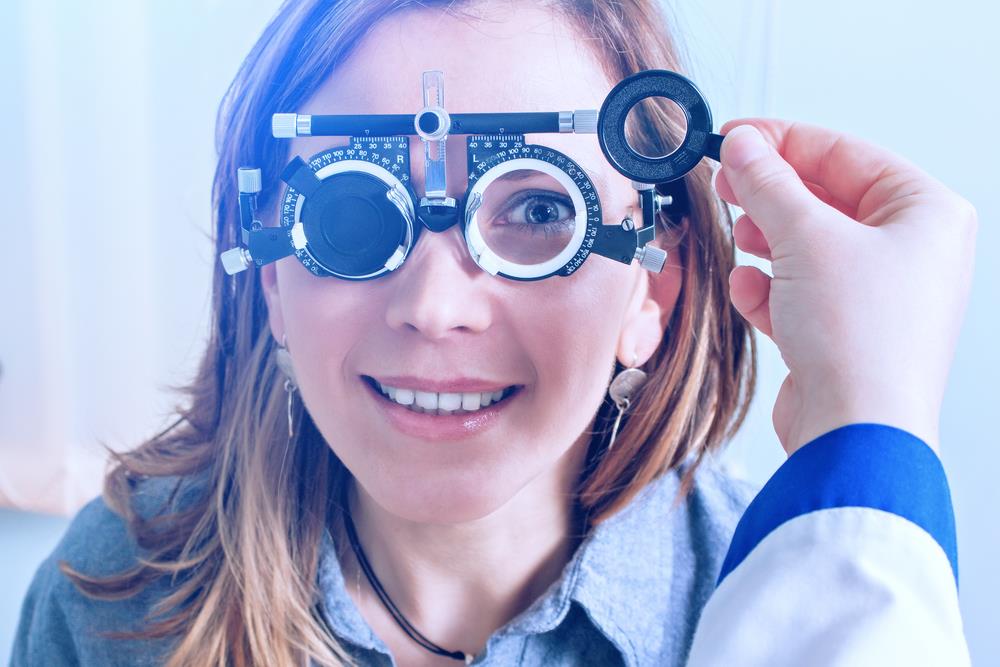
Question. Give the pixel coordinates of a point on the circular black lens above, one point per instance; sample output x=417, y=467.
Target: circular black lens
x=351, y=225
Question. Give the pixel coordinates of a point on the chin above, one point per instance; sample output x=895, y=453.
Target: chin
x=445, y=499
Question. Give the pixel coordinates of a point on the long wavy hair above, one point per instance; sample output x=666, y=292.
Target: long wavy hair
x=243, y=551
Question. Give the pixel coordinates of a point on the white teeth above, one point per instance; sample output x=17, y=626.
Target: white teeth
x=471, y=401
x=443, y=403
x=428, y=400
x=449, y=401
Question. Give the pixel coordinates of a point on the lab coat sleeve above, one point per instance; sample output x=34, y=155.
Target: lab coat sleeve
x=847, y=556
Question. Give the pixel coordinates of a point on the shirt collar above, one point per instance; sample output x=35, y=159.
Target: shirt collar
x=621, y=575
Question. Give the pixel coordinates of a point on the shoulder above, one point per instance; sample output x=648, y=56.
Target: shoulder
x=707, y=513
x=696, y=527
x=705, y=521
x=700, y=526
x=58, y=622
x=99, y=542
x=701, y=531
x=650, y=569
x=716, y=502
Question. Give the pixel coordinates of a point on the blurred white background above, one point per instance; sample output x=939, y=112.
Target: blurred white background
x=107, y=164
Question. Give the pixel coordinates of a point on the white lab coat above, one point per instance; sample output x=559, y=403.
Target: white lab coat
x=846, y=557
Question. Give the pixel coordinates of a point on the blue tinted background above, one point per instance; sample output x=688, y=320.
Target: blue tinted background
x=107, y=163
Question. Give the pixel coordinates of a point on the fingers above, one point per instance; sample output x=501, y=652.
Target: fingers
x=820, y=192
x=749, y=290
x=843, y=165
x=724, y=189
x=765, y=185
x=749, y=238
x=725, y=192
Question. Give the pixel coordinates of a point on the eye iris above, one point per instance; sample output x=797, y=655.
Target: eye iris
x=542, y=212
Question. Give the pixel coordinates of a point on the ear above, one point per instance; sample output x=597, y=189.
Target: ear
x=272, y=295
x=650, y=307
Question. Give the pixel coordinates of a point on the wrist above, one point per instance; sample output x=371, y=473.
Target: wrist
x=824, y=413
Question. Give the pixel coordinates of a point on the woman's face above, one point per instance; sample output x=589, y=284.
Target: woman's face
x=440, y=318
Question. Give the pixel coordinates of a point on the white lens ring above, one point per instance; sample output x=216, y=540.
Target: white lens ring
x=491, y=262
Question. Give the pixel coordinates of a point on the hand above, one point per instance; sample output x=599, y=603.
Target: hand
x=871, y=259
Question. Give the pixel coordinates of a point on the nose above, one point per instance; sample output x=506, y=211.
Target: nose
x=439, y=289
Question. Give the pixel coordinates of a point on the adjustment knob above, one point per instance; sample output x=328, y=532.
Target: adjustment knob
x=248, y=180
x=585, y=121
x=651, y=258
x=283, y=125
x=235, y=260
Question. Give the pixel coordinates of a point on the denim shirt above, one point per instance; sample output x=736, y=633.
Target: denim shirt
x=631, y=594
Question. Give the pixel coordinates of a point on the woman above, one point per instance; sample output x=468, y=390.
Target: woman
x=525, y=537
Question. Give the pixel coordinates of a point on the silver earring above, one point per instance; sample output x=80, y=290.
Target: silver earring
x=284, y=361
x=622, y=390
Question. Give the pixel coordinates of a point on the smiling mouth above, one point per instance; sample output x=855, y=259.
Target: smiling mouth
x=441, y=403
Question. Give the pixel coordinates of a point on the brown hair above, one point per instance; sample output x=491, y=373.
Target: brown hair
x=244, y=549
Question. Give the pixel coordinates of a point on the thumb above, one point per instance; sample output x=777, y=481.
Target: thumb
x=765, y=185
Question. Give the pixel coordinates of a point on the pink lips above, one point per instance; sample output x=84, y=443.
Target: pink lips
x=454, y=386
x=438, y=427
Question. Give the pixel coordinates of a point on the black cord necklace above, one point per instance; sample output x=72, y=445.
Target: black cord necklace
x=387, y=602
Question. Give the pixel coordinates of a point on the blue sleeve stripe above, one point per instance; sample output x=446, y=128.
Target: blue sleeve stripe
x=858, y=465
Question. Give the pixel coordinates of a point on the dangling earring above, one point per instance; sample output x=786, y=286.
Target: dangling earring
x=622, y=390
x=284, y=361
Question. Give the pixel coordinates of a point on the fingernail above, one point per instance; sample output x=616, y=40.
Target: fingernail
x=742, y=145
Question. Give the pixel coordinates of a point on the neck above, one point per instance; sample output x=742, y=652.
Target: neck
x=458, y=583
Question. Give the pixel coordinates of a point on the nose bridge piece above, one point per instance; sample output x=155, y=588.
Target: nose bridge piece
x=438, y=217
x=437, y=211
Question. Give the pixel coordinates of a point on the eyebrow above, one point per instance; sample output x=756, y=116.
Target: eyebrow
x=597, y=177
x=520, y=175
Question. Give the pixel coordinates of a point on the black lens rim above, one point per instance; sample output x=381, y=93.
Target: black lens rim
x=320, y=262
x=632, y=90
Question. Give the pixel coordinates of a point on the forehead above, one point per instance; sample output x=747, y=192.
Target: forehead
x=501, y=57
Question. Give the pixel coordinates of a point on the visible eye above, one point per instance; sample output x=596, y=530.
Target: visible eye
x=537, y=207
